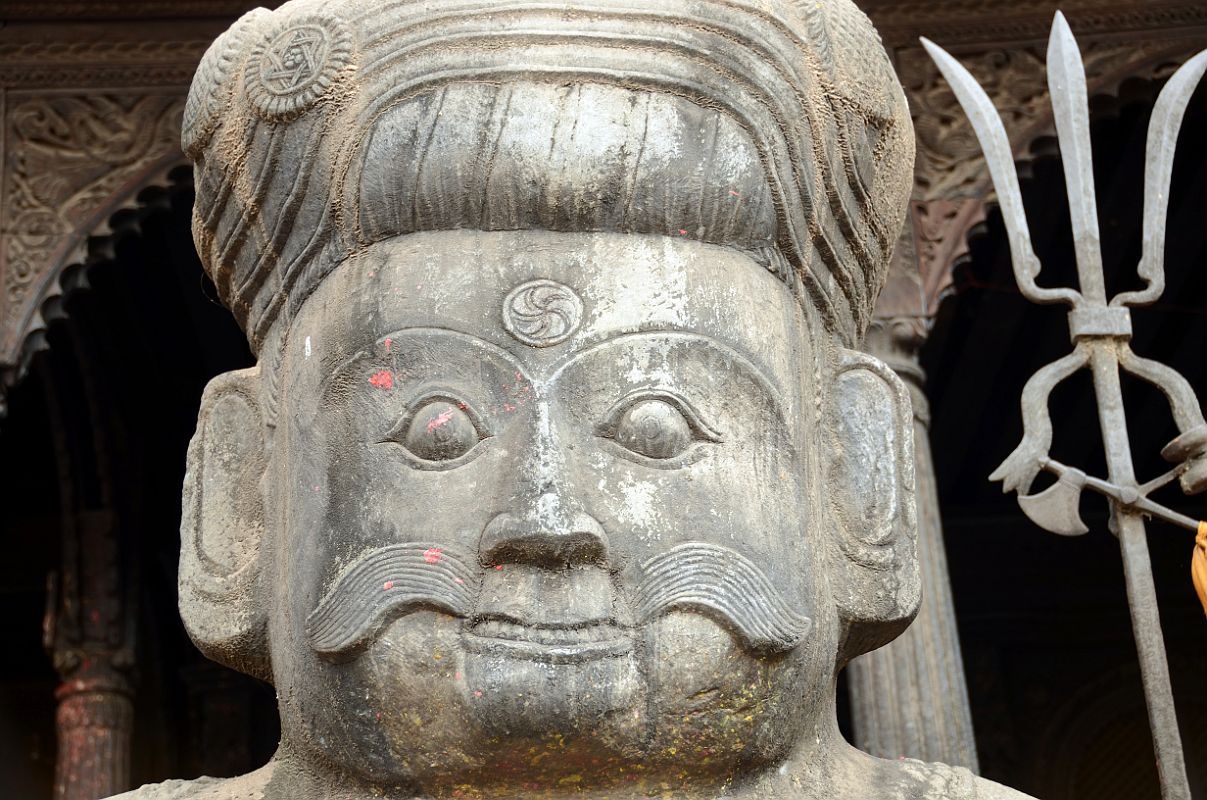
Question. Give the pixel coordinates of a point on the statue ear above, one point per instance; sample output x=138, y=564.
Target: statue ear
x=875, y=574
x=222, y=525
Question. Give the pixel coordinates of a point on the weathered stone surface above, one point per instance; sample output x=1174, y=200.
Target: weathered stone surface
x=556, y=477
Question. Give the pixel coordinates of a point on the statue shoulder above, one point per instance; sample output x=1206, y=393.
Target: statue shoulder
x=249, y=787
x=988, y=790
x=941, y=782
x=172, y=790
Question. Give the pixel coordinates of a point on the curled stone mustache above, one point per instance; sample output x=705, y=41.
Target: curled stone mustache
x=391, y=581
x=720, y=582
x=386, y=583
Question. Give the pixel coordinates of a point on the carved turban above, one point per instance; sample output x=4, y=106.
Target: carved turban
x=774, y=126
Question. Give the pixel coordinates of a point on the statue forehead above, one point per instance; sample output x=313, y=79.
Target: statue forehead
x=537, y=294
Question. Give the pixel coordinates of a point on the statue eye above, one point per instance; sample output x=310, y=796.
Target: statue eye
x=661, y=427
x=438, y=429
x=654, y=429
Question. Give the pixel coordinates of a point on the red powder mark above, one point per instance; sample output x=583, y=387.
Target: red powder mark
x=383, y=379
x=477, y=692
x=457, y=676
x=387, y=586
x=733, y=193
x=683, y=232
x=508, y=407
x=462, y=406
x=439, y=420
x=459, y=580
x=378, y=715
x=499, y=567
x=432, y=555
x=388, y=343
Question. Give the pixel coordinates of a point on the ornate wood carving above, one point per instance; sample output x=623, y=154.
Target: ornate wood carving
x=107, y=63
x=70, y=162
x=935, y=237
x=993, y=23
x=941, y=230
x=950, y=163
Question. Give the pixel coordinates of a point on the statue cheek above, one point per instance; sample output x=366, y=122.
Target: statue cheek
x=401, y=703
x=716, y=702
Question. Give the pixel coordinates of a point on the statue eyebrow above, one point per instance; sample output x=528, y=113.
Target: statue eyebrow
x=469, y=338
x=765, y=381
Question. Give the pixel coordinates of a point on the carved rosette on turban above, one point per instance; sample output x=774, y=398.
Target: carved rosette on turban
x=774, y=126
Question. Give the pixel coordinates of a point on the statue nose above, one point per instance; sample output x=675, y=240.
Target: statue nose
x=547, y=536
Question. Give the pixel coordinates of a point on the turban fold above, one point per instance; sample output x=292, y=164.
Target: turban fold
x=774, y=126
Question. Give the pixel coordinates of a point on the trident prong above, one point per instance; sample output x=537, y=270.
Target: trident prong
x=1100, y=332
x=1070, y=101
x=1163, y=131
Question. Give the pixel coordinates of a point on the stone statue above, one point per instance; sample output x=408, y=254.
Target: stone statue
x=557, y=476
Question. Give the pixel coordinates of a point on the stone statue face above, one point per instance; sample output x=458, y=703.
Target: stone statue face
x=546, y=509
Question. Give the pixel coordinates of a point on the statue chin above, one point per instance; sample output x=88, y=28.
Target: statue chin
x=515, y=694
x=438, y=701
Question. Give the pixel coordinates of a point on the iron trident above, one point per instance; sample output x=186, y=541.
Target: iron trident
x=1100, y=332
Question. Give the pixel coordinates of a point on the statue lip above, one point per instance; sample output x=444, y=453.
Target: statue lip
x=551, y=643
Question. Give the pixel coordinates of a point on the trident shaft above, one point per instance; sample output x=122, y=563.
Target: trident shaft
x=1101, y=333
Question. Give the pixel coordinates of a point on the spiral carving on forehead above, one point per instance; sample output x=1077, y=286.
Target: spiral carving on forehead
x=542, y=313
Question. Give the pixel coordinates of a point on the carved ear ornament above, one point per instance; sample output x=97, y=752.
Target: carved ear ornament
x=875, y=578
x=881, y=483
x=222, y=526
x=296, y=64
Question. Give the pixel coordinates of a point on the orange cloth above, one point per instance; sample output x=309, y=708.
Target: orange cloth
x=1198, y=565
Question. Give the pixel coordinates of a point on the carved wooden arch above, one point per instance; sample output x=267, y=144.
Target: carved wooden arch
x=93, y=621
x=952, y=184
x=72, y=164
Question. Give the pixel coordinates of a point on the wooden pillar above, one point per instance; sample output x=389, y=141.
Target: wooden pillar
x=89, y=632
x=94, y=722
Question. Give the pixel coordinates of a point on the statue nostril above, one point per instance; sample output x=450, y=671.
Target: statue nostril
x=542, y=539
